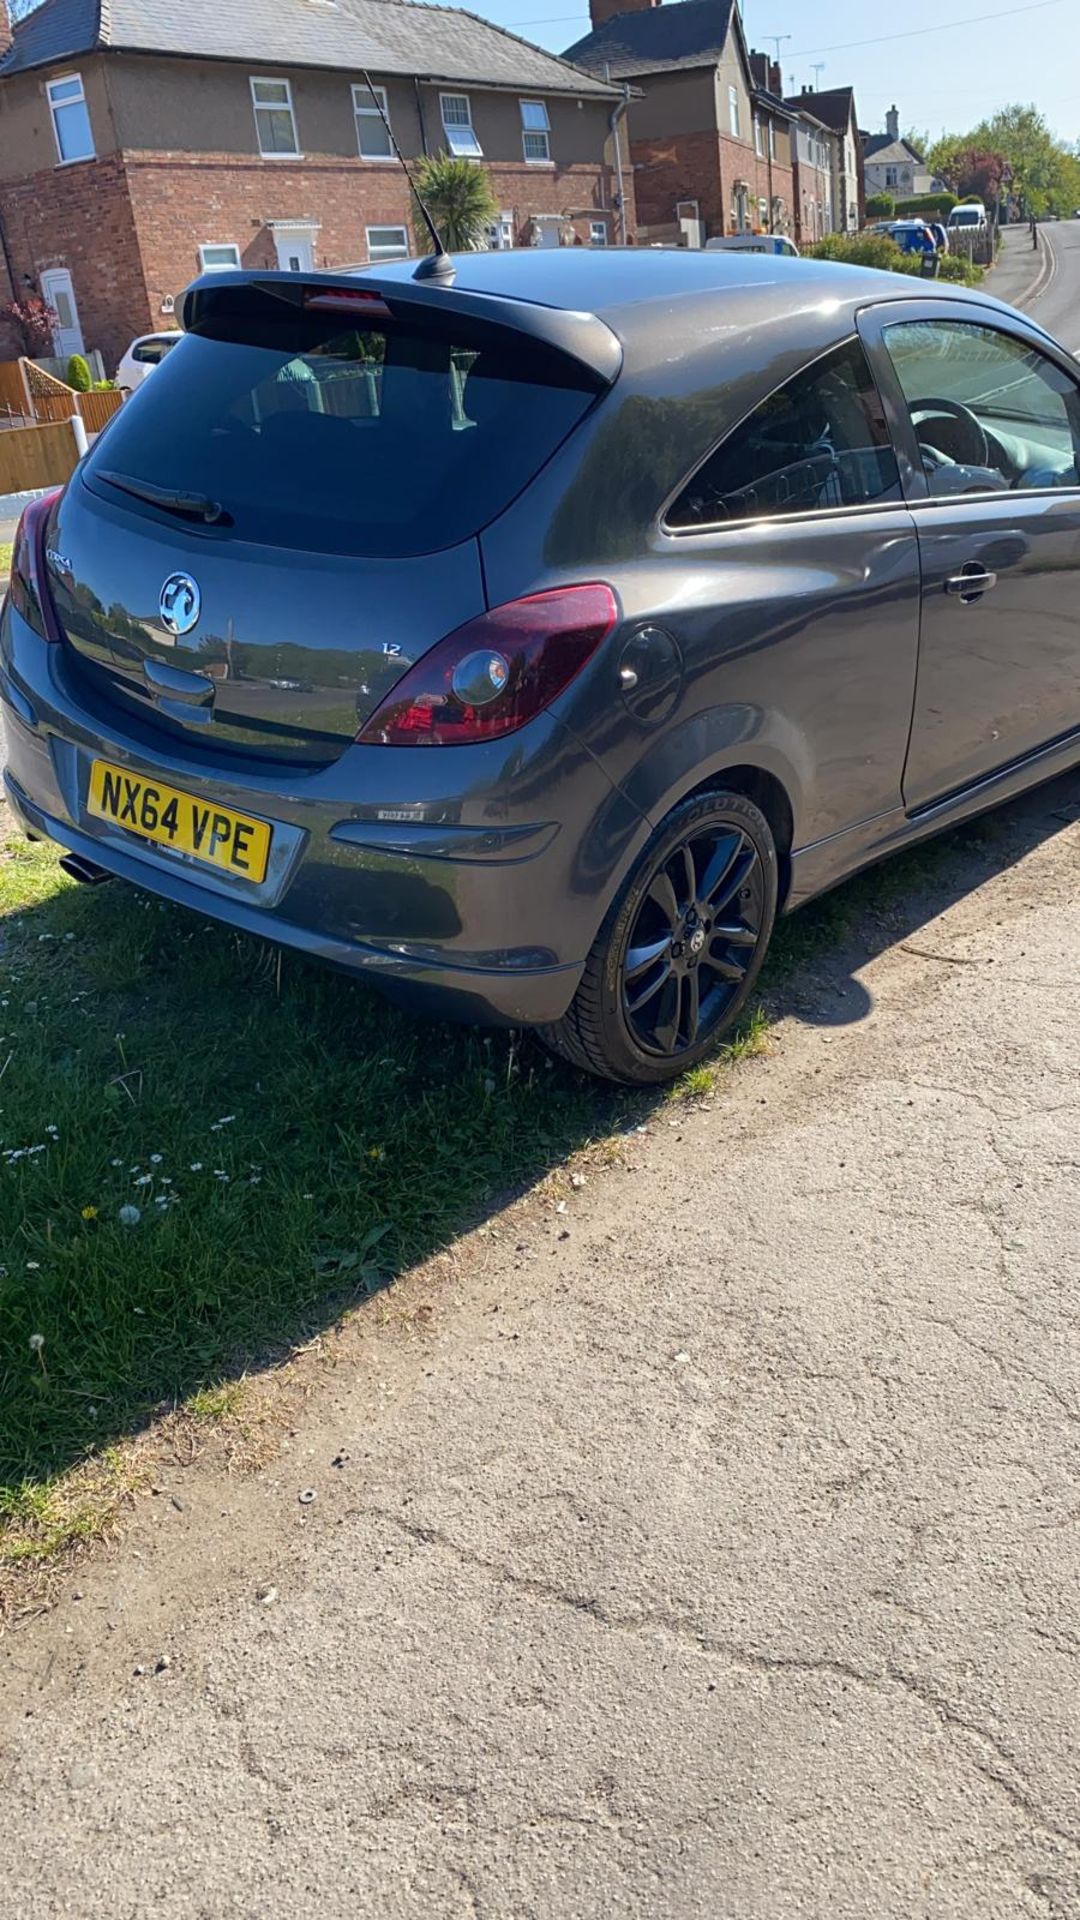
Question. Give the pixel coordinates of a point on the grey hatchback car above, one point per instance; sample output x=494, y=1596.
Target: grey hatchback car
x=525, y=640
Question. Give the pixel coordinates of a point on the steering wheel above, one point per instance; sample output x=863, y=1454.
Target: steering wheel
x=977, y=452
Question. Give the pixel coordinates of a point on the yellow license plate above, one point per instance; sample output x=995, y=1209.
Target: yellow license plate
x=171, y=818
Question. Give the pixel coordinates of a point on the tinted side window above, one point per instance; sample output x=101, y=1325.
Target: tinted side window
x=821, y=441
x=989, y=411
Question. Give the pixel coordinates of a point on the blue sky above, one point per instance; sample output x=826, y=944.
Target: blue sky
x=941, y=75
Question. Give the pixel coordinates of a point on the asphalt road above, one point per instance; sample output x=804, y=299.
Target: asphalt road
x=1057, y=305
x=710, y=1548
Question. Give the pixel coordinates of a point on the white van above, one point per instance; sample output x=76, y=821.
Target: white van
x=971, y=214
x=753, y=243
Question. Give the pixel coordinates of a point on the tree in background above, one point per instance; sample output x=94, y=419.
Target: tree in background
x=919, y=138
x=458, y=196
x=974, y=172
x=33, y=320
x=1014, y=156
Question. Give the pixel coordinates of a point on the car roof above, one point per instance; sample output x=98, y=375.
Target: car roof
x=625, y=287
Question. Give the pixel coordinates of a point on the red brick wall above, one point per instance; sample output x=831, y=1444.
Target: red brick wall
x=180, y=201
x=79, y=217
x=681, y=166
x=703, y=167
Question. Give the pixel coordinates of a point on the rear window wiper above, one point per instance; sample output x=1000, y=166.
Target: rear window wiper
x=193, y=506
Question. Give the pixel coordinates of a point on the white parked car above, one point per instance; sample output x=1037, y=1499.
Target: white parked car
x=143, y=355
x=752, y=243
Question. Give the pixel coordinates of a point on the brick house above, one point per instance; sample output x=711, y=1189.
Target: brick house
x=144, y=141
x=710, y=140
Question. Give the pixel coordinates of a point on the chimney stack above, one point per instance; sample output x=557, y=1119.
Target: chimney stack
x=892, y=124
x=766, y=74
x=600, y=11
x=5, y=28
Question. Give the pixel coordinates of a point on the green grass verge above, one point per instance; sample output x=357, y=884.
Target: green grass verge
x=287, y=1139
x=6, y=550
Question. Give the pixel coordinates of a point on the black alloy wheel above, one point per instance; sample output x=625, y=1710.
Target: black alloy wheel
x=677, y=956
x=694, y=937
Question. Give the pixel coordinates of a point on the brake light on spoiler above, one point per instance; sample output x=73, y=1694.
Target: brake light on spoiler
x=371, y=306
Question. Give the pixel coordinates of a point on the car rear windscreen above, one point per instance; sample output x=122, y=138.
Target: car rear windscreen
x=388, y=440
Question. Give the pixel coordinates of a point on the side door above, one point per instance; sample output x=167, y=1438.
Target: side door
x=987, y=413
x=58, y=293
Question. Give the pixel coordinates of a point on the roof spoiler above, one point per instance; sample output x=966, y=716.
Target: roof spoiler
x=582, y=337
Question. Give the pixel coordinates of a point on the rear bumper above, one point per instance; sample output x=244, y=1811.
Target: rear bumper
x=463, y=886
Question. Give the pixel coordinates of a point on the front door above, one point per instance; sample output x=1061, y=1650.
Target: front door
x=59, y=294
x=990, y=421
x=295, y=249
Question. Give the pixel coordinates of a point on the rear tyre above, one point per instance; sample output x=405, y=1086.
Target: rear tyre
x=676, y=958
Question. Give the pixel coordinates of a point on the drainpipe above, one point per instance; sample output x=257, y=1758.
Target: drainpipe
x=618, y=113
x=420, y=114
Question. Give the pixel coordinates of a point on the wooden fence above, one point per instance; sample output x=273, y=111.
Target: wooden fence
x=97, y=409
x=28, y=393
x=15, y=401
x=32, y=457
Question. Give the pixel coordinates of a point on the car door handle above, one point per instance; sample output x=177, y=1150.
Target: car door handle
x=971, y=582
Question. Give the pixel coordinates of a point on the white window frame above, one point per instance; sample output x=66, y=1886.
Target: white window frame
x=55, y=106
x=377, y=254
x=454, y=129
x=274, y=106
x=362, y=113
x=759, y=144
x=598, y=233
x=733, y=112
x=217, y=266
x=772, y=139
x=538, y=132
x=499, y=232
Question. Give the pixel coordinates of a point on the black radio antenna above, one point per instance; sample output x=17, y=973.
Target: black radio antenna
x=436, y=265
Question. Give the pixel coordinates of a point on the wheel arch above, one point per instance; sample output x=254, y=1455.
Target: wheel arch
x=770, y=796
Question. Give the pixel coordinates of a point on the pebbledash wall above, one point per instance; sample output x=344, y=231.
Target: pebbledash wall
x=177, y=167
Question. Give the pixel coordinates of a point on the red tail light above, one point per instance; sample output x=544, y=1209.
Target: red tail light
x=29, y=588
x=496, y=672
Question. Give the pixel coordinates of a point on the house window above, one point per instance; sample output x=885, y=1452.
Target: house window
x=763, y=214
x=890, y=176
x=733, y=111
x=759, y=148
x=772, y=139
x=598, y=233
x=71, y=121
x=372, y=133
x=500, y=234
x=387, y=243
x=275, y=124
x=218, y=258
x=458, y=127
x=535, y=131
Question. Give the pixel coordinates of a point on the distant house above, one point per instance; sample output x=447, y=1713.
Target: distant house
x=834, y=109
x=710, y=138
x=814, y=169
x=145, y=141
x=892, y=165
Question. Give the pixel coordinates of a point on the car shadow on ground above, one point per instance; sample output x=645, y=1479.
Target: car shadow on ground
x=208, y=1149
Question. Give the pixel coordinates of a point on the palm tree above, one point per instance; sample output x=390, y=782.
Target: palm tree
x=458, y=196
